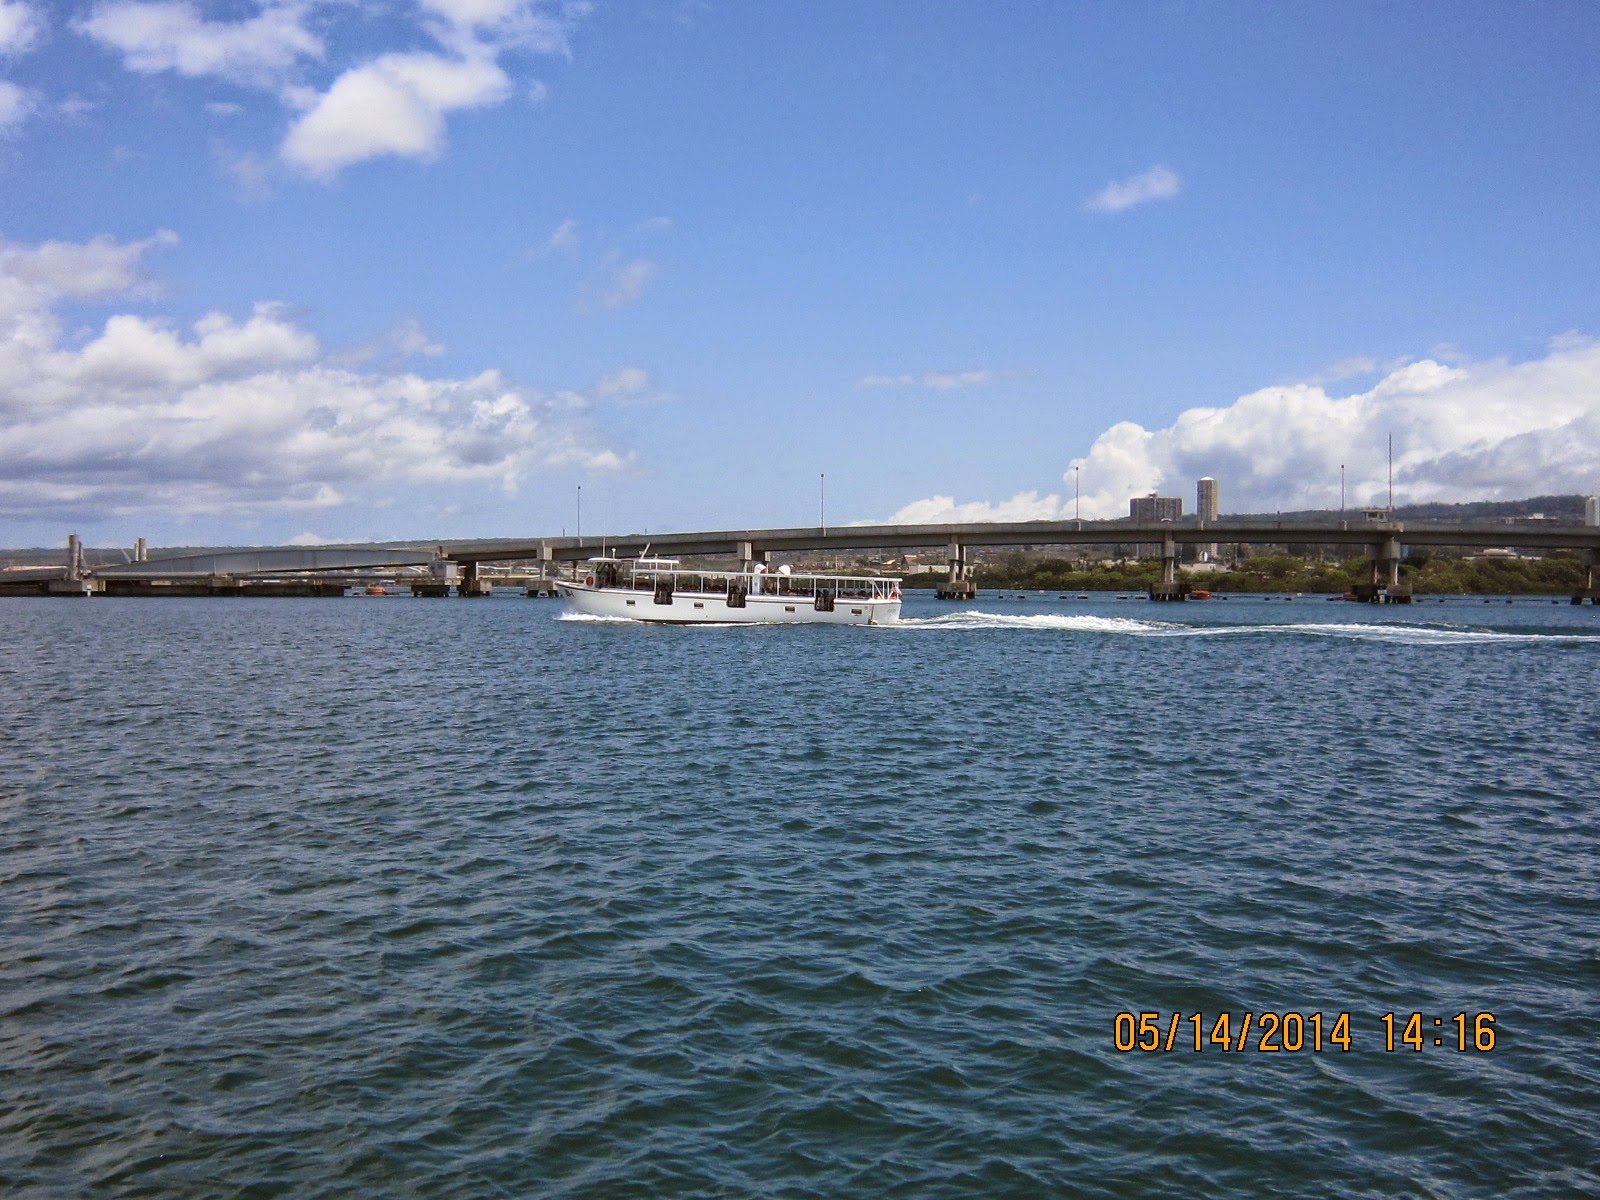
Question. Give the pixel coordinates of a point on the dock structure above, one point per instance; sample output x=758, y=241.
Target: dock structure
x=474, y=568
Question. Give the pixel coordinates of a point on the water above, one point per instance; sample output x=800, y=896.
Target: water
x=322, y=898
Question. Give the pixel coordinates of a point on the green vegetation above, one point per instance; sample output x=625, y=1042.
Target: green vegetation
x=1560, y=573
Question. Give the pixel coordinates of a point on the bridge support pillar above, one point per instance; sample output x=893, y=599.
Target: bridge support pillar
x=1169, y=588
x=469, y=584
x=958, y=583
x=1591, y=567
x=1384, y=586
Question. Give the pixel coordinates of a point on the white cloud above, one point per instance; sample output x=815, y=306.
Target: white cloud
x=654, y=225
x=565, y=236
x=392, y=105
x=172, y=35
x=628, y=282
x=33, y=277
x=15, y=105
x=1480, y=431
x=250, y=173
x=239, y=417
x=1158, y=183
x=944, y=510
x=411, y=339
x=405, y=339
x=939, y=381
x=1490, y=430
x=20, y=26
x=629, y=381
x=528, y=24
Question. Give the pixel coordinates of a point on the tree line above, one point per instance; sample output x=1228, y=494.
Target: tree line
x=1559, y=573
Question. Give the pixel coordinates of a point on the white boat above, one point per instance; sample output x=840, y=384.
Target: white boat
x=664, y=590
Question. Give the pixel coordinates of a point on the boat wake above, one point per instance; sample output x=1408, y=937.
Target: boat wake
x=1403, y=634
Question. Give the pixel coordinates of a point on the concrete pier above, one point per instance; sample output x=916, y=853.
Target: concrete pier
x=1384, y=585
x=958, y=584
x=1168, y=588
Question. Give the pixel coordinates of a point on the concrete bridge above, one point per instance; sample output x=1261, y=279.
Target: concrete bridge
x=463, y=564
x=1383, y=540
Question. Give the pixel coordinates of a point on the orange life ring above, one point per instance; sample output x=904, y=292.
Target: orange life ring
x=588, y=581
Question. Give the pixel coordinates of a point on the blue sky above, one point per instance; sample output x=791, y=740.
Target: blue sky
x=357, y=269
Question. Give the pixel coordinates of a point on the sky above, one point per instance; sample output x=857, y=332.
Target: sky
x=349, y=270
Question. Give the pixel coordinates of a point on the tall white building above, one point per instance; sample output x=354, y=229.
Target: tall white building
x=1591, y=511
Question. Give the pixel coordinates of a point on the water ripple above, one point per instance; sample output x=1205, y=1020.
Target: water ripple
x=307, y=899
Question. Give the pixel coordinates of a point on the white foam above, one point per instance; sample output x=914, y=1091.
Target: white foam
x=1400, y=633
x=973, y=619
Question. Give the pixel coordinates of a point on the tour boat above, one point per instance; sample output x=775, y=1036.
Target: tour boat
x=664, y=590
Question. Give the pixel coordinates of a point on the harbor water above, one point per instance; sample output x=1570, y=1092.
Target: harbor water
x=393, y=897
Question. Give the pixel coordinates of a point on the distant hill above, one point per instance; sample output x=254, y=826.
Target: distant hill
x=1560, y=508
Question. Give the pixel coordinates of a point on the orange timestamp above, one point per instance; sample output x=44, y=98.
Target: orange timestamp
x=1293, y=1032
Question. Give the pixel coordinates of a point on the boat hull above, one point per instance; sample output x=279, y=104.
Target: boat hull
x=711, y=608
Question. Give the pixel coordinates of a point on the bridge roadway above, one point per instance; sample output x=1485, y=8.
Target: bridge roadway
x=748, y=543
x=755, y=543
x=1384, y=542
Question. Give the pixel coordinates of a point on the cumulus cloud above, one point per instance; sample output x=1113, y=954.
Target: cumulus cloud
x=392, y=104
x=173, y=35
x=20, y=26
x=33, y=277
x=1157, y=183
x=939, y=381
x=1493, y=430
x=946, y=510
x=238, y=416
x=395, y=104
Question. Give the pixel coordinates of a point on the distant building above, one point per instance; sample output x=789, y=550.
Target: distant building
x=1208, y=507
x=1149, y=510
x=1591, y=511
x=1154, y=508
